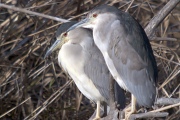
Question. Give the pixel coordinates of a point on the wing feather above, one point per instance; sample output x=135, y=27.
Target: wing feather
x=97, y=70
x=85, y=64
x=133, y=58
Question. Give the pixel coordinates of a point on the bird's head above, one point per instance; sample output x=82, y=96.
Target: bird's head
x=101, y=14
x=61, y=39
x=62, y=36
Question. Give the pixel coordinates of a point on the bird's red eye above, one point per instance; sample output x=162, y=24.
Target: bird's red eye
x=94, y=15
x=65, y=34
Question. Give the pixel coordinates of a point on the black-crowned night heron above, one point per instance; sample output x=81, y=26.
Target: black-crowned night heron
x=83, y=61
x=126, y=50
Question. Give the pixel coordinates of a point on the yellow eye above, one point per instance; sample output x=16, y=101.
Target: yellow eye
x=95, y=15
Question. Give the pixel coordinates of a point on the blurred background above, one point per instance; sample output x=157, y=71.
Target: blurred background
x=32, y=87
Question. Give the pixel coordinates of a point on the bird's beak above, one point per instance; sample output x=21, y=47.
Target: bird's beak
x=84, y=23
x=56, y=44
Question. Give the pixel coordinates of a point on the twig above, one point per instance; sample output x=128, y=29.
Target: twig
x=167, y=101
x=129, y=5
x=51, y=99
x=167, y=107
x=148, y=115
x=163, y=39
x=157, y=113
x=156, y=20
x=14, y=107
x=171, y=78
x=32, y=13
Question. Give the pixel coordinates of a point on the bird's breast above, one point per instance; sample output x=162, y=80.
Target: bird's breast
x=72, y=60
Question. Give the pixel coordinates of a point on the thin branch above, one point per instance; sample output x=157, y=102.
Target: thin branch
x=14, y=108
x=166, y=107
x=32, y=13
x=148, y=115
x=171, y=102
x=157, y=19
x=129, y=5
x=46, y=103
x=167, y=101
x=163, y=39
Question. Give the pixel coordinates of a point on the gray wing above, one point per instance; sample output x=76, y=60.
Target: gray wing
x=133, y=58
x=97, y=70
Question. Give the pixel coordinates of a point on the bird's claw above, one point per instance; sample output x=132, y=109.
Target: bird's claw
x=97, y=118
x=128, y=112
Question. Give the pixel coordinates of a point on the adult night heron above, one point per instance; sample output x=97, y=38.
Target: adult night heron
x=83, y=61
x=126, y=50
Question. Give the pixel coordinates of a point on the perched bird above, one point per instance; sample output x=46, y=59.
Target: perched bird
x=83, y=61
x=126, y=50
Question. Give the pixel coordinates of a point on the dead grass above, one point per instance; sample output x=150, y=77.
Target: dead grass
x=32, y=87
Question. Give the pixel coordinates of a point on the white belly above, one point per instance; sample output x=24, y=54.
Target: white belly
x=88, y=89
x=76, y=71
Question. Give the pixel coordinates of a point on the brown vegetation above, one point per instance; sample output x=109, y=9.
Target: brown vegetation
x=32, y=87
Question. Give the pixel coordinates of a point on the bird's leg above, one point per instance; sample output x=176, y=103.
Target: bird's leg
x=133, y=107
x=97, y=111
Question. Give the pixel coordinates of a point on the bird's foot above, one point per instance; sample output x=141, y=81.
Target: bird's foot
x=128, y=112
x=97, y=118
x=127, y=115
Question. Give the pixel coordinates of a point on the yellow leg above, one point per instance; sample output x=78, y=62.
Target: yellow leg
x=97, y=111
x=133, y=107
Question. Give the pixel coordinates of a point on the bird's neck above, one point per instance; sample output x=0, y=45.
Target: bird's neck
x=101, y=34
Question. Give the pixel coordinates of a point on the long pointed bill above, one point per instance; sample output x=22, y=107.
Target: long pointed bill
x=53, y=47
x=84, y=23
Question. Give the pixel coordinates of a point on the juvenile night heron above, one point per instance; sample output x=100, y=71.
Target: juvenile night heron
x=83, y=61
x=126, y=50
